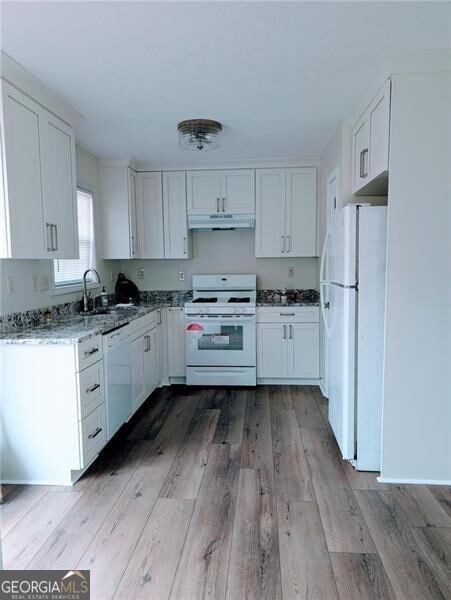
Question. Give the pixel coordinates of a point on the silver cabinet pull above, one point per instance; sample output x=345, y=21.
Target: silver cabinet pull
x=95, y=434
x=185, y=245
x=147, y=338
x=92, y=351
x=55, y=228
x=287, y=314
x=217, y=204
x=282, y=249
x=363, y=155
x=48, y=236
x=289, y=243
x=223, y=205
x=291, y=331
x=93, y=388
x=159, y=317
x=284, y=332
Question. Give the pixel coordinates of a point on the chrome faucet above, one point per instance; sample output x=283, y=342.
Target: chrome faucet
x=86, y=299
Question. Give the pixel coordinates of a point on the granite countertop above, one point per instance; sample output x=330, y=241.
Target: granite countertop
x=77, y=328
x=278, y=304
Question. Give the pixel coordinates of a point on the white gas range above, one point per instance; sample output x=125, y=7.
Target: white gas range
x=220, y=330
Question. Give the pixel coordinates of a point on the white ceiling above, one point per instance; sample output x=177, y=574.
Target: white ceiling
x=278, y=75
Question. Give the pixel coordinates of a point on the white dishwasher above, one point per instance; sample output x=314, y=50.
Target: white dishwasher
x=118, y=377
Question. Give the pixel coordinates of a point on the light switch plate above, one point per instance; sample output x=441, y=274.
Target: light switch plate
x=11, y=285
x=45, y=282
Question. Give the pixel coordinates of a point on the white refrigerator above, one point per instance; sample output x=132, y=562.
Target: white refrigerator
x=353, y=267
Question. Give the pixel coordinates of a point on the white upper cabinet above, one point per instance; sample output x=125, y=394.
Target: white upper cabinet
x=301, y=212
x=270, y=215
x=203, y=192
x=238, y=191
x=118, y=185
x=228, y=191
x=370, y=146
x=38, y=210
x=286, y=212
x=149, y=211
x=59, y=182
x=174, y=215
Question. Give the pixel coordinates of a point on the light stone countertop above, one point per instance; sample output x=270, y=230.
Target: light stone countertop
x=77, y=328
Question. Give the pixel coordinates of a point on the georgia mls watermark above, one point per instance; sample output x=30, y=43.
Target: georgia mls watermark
x=44, y=585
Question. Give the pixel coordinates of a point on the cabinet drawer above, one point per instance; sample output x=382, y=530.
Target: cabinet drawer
x=145, y=323
x=287, y=314
x=89, y=352
x=90, y=388
x=93, y=434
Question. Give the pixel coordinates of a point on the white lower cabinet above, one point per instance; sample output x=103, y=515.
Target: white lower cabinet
x=146, y=363
x=176, y=342
x=288, y=343
x=54, y=418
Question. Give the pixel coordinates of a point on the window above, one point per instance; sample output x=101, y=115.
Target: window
x=70, y=272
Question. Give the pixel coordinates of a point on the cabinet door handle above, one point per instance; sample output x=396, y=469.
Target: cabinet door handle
x=92, y=351
x=147, y=338
x=95, y=434
x=289, y=243
x=48, y=235
x=363, y=155
x=287, y=314
x=55, y=228
x=185, y=245
x=282, y=249
x=217, y=204
x=223, y=205
x=284, y=332
x=93, y=388
x=291, y=331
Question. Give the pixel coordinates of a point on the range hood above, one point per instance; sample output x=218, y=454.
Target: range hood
x=221, y=221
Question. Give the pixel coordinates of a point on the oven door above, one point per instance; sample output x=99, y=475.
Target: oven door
x=220, y=341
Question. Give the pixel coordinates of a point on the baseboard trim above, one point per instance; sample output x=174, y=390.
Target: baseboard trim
x=414, y=481
x=323, y=391
x=276, y=381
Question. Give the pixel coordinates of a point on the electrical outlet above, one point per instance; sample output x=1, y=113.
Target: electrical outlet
x=45, y=282
x=291, y=272
x=11, y=284
x=181, y=275
x=141, y=273
x=35, y=284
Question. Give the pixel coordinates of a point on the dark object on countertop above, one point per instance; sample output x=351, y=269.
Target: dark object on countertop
x=126, y=290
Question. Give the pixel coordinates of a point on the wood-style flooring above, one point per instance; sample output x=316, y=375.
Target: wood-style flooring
x=233, y=494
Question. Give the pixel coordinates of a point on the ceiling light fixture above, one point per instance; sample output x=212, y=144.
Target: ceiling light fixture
x=199, y=134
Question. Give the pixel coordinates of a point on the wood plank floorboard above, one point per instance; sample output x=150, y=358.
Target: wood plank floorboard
x=305, y=565
x=409, y=569
x=24, y=540
x=231, y=418
x=344, y=526
x=443, y=495
x=150, y=572
x=202, y=571
x=233, y=493
x=292, y=478
x=186, y=473
x=306, y=406
x=254, y=567
x=361, y=577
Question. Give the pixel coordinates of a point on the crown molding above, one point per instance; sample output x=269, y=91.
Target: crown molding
x=229, y=164
x=16, y=75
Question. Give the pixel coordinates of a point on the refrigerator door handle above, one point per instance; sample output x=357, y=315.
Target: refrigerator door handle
x=323, y=282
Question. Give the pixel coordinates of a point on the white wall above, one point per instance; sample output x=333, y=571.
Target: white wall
x=222, y=252
x=416, y=438
x=23, y=270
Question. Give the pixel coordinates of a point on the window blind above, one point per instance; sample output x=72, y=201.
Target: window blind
x=68, y=272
